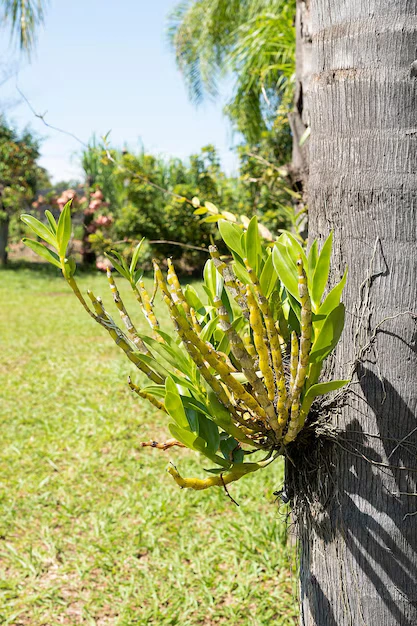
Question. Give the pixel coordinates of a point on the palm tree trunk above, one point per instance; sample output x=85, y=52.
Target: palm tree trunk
x=359, y=536
x=300, y=118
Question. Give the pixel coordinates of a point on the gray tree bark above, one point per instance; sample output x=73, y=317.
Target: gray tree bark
x=359, y=537
x=300, y=118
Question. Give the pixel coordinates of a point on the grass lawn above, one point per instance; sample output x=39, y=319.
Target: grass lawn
x=92, y=528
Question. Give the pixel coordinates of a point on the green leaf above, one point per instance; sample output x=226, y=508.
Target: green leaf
x=322, y=388
x=329, y=335
x=211, y=219
x=192, y=418
x=332, y=299
x=173, y=357
x=268, y=278
x=312, y=259
x=286, y=269
x=319, y=390
x=209, y=329
x=231, y=235
x=193, y=299
x=155, y=390
x=231, y=450
x=241, y=271
x=155, y=365
x=51, y=220
x=295, y=306
x=210, y=278
x=123, y=270
x=211, y=207
x=209, y=432
x=63, y=231
x=321, y=273
x=69, y=267
x=174, y=405
x=43, y=251
x=39, y=229
x=294, y=249
x=186, y=437
x=201, y=211
x=253, y=245
x=135, y=256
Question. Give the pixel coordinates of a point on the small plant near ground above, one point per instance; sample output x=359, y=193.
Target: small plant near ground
x=239, y=378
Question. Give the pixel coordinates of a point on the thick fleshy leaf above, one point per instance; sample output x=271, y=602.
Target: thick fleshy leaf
x=253, y=245
x=231, y=235
x=174, y=405
x=312, y=259
x=209, y=432
x=155, y=390
x=231, y=450
x=173, y=357
x=69, y=267
x=135, y=256
x=268, y=278
x=241, y=271
x=39, y=229
x=193, y=298
x=210, y=279
x=322, y=388
x=329, y=335
x=211, y=219
x=154, y=364
x=193, y=419
x=211, y=207
x=43, y=251
x=209, y=329
x=321, y=273
x=286, y=269
x=294, y=248
x=63, y=230
x=118, y=265
x=51, y=220
x=185, y=436
x=319, y=390
x=332, y=299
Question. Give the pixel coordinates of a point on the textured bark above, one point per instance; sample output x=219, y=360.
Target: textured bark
x=4, y=236
x=300, y=117
x=359, y=540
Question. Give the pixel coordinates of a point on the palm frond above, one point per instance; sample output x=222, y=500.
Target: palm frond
x=24, y=17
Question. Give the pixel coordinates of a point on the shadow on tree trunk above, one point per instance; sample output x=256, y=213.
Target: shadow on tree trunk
x=348, y=501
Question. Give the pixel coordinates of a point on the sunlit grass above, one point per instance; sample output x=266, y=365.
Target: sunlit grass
x=92, y=528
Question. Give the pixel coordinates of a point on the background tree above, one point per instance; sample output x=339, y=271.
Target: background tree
x=20, y=176
x=252, y=42
x=359, y=536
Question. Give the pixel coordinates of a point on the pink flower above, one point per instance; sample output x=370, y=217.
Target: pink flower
x=94, y=204
x=104, y=220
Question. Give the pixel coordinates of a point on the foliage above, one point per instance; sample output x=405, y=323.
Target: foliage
x=19, y=172
x=254, y=41
x=24, y=18
x=222, y=383
x=20, y=176
x=89, y=535
x=156, y=202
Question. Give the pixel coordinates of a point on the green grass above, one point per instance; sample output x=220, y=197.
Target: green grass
x=92, y=528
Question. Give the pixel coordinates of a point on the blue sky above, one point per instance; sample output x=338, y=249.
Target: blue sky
x=101, y=66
